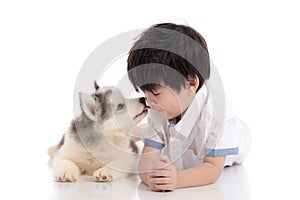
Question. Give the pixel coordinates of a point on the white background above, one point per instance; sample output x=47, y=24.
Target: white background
x=43, y=44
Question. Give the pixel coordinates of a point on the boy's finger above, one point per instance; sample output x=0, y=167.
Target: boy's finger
x=164, y=180
x=159, y=165
x=159, y=173
x=164, y=158
x=164, y=187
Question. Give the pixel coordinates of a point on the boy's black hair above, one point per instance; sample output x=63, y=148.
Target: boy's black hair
x=168, y=54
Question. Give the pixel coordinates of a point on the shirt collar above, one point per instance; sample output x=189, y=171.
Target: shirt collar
x=188, y=120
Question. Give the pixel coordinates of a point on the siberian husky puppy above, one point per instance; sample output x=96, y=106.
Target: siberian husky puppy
x=97, y=142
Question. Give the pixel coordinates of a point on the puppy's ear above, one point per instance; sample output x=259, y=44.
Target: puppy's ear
x=87, y=104
x=96, y=85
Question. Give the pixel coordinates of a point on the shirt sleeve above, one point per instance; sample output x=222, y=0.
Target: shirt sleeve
x=153, y=143
x=223, y=139
x=226, y=138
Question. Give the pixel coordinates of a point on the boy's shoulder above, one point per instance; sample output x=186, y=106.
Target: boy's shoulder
x=218, y=113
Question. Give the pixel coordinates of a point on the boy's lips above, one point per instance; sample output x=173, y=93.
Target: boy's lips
x=157, y=107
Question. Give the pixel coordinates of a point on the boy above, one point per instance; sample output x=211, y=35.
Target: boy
x=195, y=136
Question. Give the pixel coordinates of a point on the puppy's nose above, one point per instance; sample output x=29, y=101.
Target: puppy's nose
x=142, y=100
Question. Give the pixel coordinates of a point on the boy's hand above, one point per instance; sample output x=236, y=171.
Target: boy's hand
x=163, y=177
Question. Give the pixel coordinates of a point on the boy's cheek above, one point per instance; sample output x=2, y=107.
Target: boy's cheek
x=157, y=107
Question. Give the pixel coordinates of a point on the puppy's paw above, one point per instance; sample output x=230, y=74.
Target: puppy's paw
x=65, y=171
x=103, y=175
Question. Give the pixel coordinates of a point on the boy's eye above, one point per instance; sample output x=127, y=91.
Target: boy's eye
x=156, y=94
x=120, y=106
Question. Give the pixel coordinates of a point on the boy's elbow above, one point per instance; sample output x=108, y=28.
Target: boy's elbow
x=215, y=177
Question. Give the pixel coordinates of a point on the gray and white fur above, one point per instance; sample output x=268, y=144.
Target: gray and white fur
x=97, y=142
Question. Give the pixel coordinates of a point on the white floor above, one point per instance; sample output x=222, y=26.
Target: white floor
x=26, y=175
x=32, y=179
x=232, y=185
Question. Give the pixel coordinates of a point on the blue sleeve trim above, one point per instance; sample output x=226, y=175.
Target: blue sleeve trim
x=151, y=143
x=222, y=152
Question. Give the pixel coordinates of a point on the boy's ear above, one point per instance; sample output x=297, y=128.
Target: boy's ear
x=193, y=83
x=87, y=105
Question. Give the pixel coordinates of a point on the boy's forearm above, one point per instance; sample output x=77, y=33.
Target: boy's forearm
x=149, y=157
x=203, y=174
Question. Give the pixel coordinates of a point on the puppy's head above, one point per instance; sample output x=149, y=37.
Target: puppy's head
x=108, y=107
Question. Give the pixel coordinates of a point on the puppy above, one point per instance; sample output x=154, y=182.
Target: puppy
x=97, y=143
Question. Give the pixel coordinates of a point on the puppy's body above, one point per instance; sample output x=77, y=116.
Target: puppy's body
x=96, y=142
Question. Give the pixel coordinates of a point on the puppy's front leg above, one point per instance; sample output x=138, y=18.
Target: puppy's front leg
x=65, y=170
x=106, y=174
x=113, y=170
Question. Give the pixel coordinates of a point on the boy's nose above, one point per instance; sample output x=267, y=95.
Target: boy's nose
x=150, y=101
x=149, y=98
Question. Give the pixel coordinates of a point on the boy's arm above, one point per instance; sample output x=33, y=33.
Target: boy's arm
x=148, y=158
x=167, y=178
x=202, y=174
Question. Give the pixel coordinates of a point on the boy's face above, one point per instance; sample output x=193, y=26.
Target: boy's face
x=170, y=101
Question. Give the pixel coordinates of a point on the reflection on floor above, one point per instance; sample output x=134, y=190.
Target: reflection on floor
x=233, y=184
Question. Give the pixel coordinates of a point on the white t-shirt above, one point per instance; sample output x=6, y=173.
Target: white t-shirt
x=199, y=133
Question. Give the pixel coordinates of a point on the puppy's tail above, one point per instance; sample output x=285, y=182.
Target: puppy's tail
x=51, y=150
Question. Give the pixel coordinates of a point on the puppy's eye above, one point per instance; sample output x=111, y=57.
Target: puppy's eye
x=120, y=106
